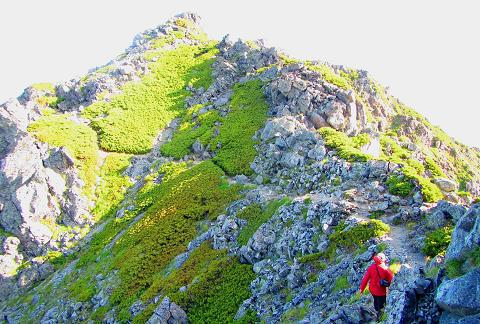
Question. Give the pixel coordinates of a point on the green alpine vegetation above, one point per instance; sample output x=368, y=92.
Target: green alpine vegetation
x=131, y=120
x=113, y=184
x=248, y=113
x=177, y=204
x=79, y=139
x=359, y=234
x=348, y=148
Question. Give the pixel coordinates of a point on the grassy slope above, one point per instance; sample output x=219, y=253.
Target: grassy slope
x=79, y=139
x=131, y=120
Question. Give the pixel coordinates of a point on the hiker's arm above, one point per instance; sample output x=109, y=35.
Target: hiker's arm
x=365, y=280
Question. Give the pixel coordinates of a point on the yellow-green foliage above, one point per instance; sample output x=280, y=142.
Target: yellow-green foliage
x=330, y=76
x=347, y=147
x=255, y=217
x=296, y=314
x=437, y=241
x=113, y=185
x=430, y=191
x=434, y=168
x=248, y=112
x=83, y=289
x=131, y=120
x=359, y=234
x=315, y=260
x=412, y=169
x=221, y=284
x=399, y=185
x=50, y=101
x=44, y=86
x=341, y=284
x=168, y=225
x=395, y=267
x=79, y=139
x=189, y=132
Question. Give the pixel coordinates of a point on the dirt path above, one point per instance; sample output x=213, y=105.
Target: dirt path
x=398, y=239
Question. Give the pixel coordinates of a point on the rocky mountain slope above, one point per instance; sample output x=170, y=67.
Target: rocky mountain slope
x=203, y=181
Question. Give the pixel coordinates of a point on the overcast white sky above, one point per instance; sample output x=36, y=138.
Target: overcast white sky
x=427, y=52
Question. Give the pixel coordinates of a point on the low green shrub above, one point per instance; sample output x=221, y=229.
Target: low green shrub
x=437, y=241
x=359, y=234
x=79, y=139
x=296, y=314
x=347, y=147
x=189, y=132
x=248, y=113
x=399, y=185
x=113, y=185
x=330, y=76
x=172, y=210
x=131, y=120
x=434, y=168
x=341, y=283
x=458, y=267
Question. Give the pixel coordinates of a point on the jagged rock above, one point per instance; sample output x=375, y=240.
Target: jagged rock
x=401, y=298
x=446, y=185
x=317, y=120
x=460, y=295
x=168, y=313
x=443, y=212
x=466, y=234
x=334, y=113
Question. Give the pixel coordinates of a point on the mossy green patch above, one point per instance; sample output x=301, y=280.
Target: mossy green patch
x=359, y=234
x=79, y=139
x=255, y=217
x=189, y=132
x=297, y=313
x=113, y=185
x=341, y=283
x=248, y=112
x=437, y=241
x=131, y=120
x=330, y=76
x=217, y=284
x=199, y=193
x=399, y=185
x=347, y=147
x=434, y=168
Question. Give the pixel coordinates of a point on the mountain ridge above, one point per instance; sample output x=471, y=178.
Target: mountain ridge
x=197, y=162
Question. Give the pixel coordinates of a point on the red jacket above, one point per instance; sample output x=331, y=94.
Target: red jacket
x=372, y=276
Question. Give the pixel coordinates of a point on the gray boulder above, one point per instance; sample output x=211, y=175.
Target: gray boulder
x=466, y=235
x=168, y=313
x=446, y=185
x=460, y=296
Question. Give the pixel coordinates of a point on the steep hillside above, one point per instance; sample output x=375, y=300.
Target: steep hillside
x=203, y=181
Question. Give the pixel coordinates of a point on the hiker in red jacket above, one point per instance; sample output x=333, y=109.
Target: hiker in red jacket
x=380, y=278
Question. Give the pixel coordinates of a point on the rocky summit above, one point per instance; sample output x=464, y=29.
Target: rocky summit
x=196, y=181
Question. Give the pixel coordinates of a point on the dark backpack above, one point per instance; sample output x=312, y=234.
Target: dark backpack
x=383, y=282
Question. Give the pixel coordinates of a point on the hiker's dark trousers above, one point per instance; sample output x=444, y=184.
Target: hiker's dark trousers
x=379, y=302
